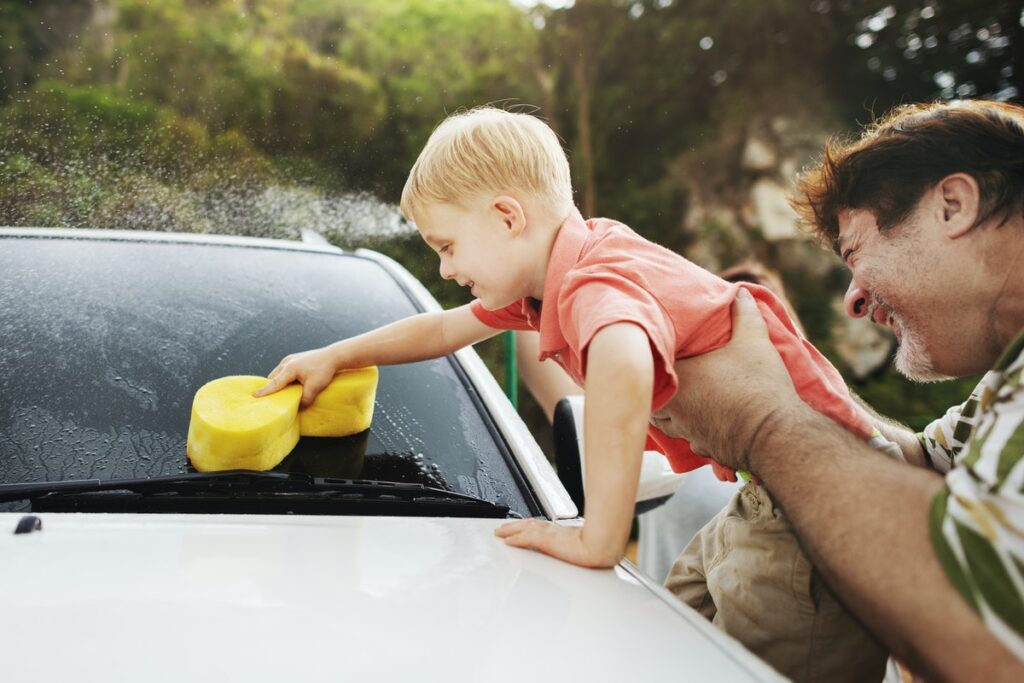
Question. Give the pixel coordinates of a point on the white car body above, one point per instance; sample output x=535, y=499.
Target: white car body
x=197, y=597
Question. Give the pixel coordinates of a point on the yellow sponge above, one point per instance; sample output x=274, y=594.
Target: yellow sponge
x=230, y=429
x=344, y=407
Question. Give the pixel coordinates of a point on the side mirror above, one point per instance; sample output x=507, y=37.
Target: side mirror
x=567, y=434
x=657, y=480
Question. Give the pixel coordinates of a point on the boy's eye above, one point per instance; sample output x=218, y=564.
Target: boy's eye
x=443, y=250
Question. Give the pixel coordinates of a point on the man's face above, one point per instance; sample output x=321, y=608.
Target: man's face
x=901, y=281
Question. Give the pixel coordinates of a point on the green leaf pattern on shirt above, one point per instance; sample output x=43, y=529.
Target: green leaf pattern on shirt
x=977, y=521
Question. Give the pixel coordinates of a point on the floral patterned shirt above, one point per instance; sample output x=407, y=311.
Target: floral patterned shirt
x=977, y=521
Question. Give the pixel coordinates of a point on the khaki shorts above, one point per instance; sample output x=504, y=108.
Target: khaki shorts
x=745, y=571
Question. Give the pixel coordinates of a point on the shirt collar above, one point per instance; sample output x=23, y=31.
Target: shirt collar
x=565, y=254
x=1014, y=349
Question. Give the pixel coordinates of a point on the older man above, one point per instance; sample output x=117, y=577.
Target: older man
x=927, y=210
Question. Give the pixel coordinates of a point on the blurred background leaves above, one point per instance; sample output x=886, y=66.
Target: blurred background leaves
x=686, y=120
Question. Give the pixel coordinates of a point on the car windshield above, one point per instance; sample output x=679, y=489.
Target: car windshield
x=105, y=342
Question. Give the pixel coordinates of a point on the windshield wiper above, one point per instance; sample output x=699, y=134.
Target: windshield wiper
x=267, y=492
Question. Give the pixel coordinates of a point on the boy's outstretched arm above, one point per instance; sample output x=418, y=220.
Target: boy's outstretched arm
x=419, y=337
x=620, y=380
x=905, y=437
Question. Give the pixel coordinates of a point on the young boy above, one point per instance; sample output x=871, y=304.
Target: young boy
x=491, y=194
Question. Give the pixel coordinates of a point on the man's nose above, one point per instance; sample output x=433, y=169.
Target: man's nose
x=856, y=301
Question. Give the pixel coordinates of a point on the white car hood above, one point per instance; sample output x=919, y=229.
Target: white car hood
x=223, y=598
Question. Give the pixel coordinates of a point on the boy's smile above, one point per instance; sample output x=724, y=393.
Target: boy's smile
x=483, y=246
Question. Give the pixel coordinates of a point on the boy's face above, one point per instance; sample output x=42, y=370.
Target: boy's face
x=479, y=248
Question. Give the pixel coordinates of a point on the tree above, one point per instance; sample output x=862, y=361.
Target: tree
x=921, y=50
x=432, y=58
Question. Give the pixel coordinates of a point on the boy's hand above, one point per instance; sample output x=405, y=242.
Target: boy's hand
x=561, y=542
x=313, y=369
x=416, y=338
x=620, y=377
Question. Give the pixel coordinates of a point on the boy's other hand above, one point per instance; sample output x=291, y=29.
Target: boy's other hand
x=561, y=542
x=313, y=369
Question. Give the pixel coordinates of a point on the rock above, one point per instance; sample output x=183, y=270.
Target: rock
x=789, y=168
x=705, y=254
x=782, y=126
x=808, y=257
x=758, y=155
x=862, y=345
x=716, y=236
x=773, y=213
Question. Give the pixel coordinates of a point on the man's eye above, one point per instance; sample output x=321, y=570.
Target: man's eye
x=846, y=255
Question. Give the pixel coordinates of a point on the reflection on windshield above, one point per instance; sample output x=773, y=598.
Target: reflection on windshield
x=106, y=343
x=346, y=458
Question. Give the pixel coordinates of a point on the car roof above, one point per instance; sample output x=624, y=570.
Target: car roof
x=311, y=241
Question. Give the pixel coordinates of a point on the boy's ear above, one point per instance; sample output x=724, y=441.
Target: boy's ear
x=511, y=213
x=959, y=199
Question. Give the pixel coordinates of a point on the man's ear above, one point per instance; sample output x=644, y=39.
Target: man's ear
x=511, y=213
x=959, y=200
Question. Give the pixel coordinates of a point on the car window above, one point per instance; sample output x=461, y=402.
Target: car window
x=104, y=344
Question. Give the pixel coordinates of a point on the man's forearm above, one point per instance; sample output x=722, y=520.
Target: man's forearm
x=863, y=518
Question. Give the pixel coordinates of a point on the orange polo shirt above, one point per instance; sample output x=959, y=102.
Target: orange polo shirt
x=600, y=272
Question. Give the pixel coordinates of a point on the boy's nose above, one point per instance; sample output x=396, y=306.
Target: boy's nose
x=446, y=271
x=856, y=301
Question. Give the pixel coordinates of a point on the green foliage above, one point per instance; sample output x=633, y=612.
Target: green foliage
x=432, y=57
x=908, y=50
x=87, y=156
x=59, y=121
x=21, y=48
x=264, y=116
x=913, y=404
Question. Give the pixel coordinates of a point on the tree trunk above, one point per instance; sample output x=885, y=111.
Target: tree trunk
x=546, y=81
x=580, y=69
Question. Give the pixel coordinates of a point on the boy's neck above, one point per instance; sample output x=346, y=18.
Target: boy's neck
x=550, y=225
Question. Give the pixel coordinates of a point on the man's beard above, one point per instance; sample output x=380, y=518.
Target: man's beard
x=912, y=359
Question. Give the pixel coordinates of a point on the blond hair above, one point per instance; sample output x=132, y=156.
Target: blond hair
x=489, y=150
